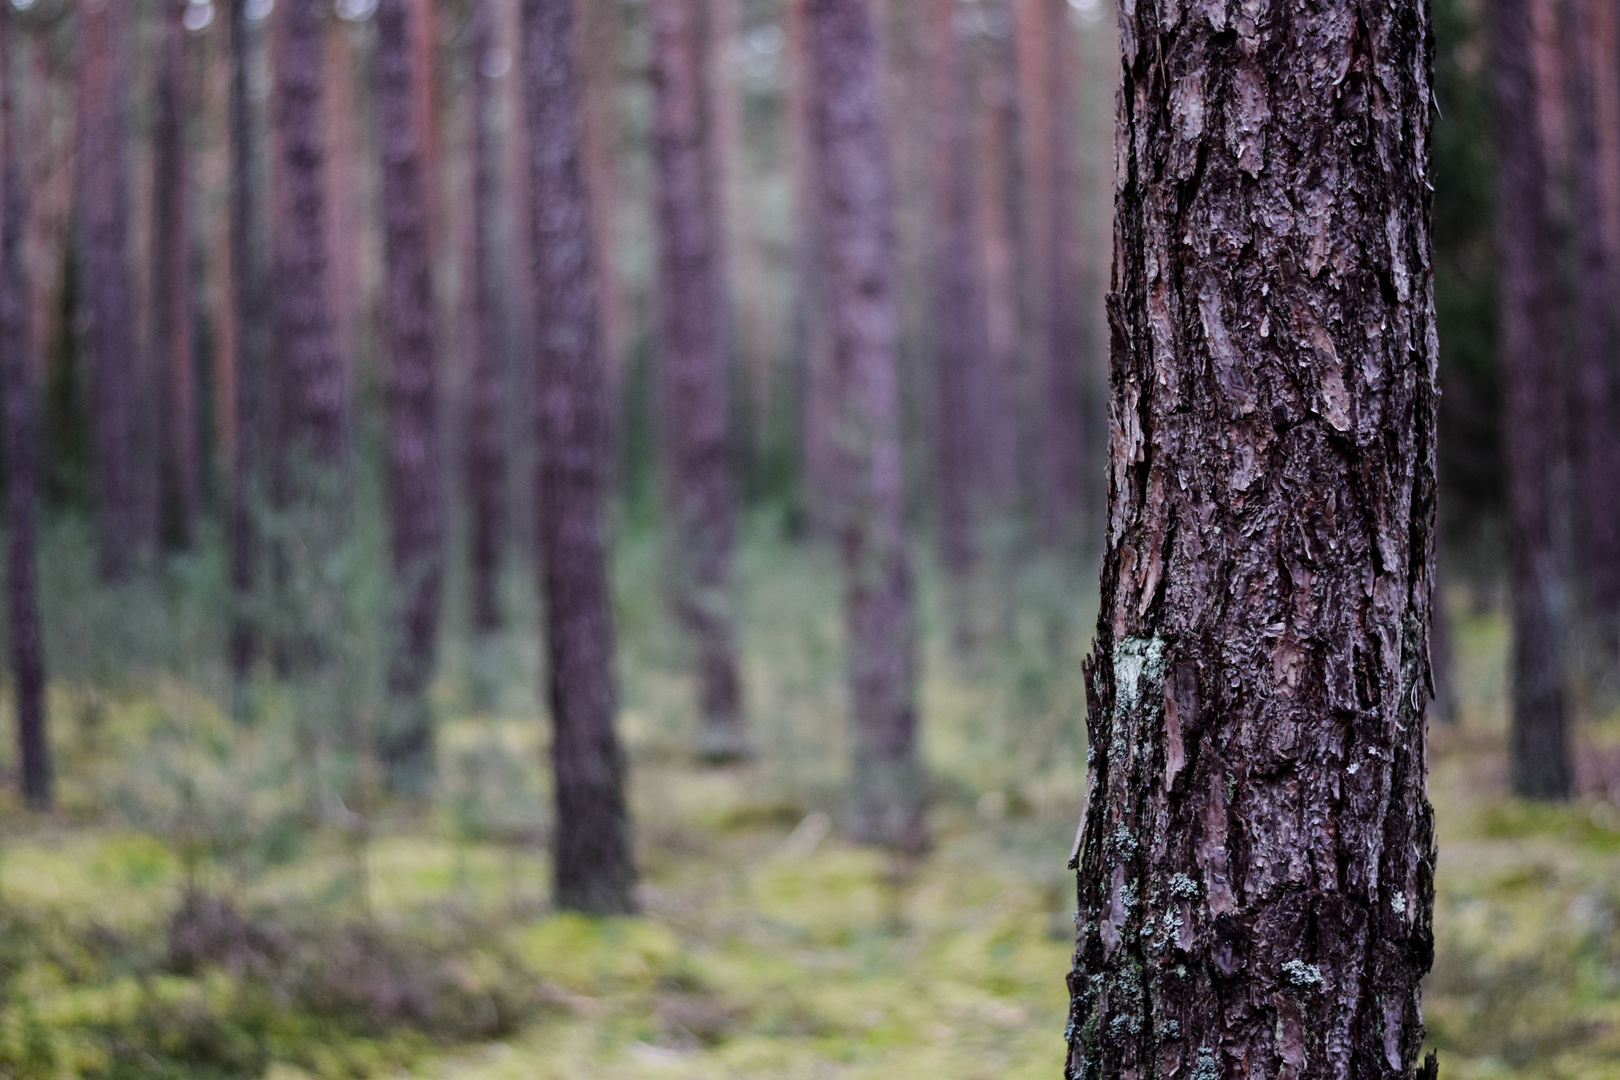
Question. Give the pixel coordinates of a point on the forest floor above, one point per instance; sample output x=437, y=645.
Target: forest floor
x=417, y=942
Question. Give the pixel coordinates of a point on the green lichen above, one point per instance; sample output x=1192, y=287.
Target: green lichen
x=1302, y=974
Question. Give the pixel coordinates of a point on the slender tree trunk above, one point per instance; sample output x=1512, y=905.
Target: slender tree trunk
x=170, y=320
x=109, y=335
x=692, y=373
x=415, y=501
x=960, y=330
x=856, y=195
x=247, y=352
x=592, y=864
x=484, y=431
x=1540, y=757
x=1063, y=447
x=1257, y=856
x=352, y=216
x=20, y=393
x=601, y=38
x=1597, y=509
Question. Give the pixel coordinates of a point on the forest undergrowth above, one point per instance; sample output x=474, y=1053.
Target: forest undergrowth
x=205, y=906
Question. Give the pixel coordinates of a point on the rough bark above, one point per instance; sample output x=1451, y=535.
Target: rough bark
x=1257, y=855
x=484, y=429
x=1063, y=448
x=169, y=323
x=959, y=329
x=20, y=394
x=247, y=352
x=1540, y=756
x=108, y=329
x=692, y=373
x=415, y=498
x=1597, y=509
x=855, y=191
x=592, y=866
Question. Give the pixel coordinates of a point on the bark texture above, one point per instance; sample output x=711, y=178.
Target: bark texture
x=484, y=428
x=20, y=394
x=415, y=496
x=592, y=866
x=692, y=372
x=1597, y=510
x=1256, y=860
x=855, y=193
x=108, y=330
x=247, y=352
x=1540, y=754
x=601, y=34
x=170, y=320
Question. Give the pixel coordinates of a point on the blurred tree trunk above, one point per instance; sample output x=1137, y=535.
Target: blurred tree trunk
x=415, y=498
x=484, y=429
x=1541, y=763
x=601, y=33
x=247, y=353
x=1063, y=447
x=108, y=329
x=592, y=864
x=20, y=393
x=1256, y=692
x=959, y=332
x=169, y=323
x=1590, y=64
x=856, y=211
x=346, y=180
x=692, y=370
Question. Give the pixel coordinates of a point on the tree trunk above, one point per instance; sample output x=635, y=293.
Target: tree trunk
x=856, y=195
x=692, y=372
x=1063, y=446
x=1257, y=855
x=484, y=432
x=170, y=320
x=601, y=34
x=20, y=393
x=1597, y=509
x=415, y=501
x=1540, y=756
x=247, y=353
x=592, y=865
x=960, y=331
x=108, y=331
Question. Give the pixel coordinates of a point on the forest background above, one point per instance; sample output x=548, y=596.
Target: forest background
x=239, y=872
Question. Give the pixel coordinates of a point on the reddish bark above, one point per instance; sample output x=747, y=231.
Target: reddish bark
x=1257, y=855
x=601, y=48
x=169, y=323
x=691, y=361
x=20, y=392
x=855, y=191
x=415, y=500
x=592, y=866
x=1540, y=757
x=108, y=332
x=484, y=428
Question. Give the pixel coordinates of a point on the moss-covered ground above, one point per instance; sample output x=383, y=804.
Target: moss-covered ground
x=333, y=940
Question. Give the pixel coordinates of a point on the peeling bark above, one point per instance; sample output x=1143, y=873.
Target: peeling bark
x=855, y=191
x=592, y=866
x=1256, y=860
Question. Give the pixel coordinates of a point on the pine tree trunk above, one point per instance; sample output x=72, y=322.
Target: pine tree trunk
x=484, y=431
x=592, y=864
x=959, y=330
x=247, y=352
x=170, y=320
x=20, y=394
x=415, y=499
x=1257, y=855
x=692, y=375
x=601, y=33
x=1063, y=449
x=1540, y=756
x=109, y=332
x=1597, y=510
x=856, y=211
